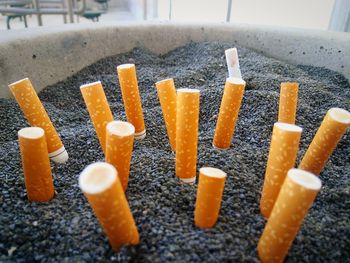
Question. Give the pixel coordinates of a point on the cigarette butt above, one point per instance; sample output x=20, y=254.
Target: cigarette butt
x=167, y=97
x=233, y=63
x=187, y=115
x=295, y=199
x=120, y=141
x=36, y=164
x=288, y=102
x=131, y=98
x=102, y=188
x=332, y=128
x=98, y=108
x=283, y=153
x=35, y=113
x=209, y=195
x=228, y=114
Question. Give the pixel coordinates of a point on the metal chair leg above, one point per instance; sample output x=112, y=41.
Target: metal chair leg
x=8, y=22
x=25, y=21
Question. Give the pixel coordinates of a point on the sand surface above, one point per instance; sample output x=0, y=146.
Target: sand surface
x=66, y=230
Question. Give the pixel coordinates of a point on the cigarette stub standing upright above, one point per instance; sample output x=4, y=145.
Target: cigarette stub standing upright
x=283, y=153
x=167, y=97
x=295, y=199
x=120, y=141
x=187, y=119
x=131, y=98
x=98, y=108
x=332, y=128
x=228, y=114
x=209, y=194
x=288, y=102
x=233, y=63
x=36, y=164
x=35, y=113
x=102, y=188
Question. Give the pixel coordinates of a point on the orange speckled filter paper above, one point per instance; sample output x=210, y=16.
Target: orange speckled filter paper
x=167, y=97
x=98, y=108
x=102, y=188
x=36, y=164
x=332, y=128
x=288, y=102
x=187, y=119
x=228, y=114
x=283, y=153
x=120, y=142
x=35, y=113
x=295, y=199
x=209, y=195
x=131, y=98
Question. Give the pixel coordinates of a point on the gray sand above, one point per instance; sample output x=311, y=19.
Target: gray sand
x=66, y=230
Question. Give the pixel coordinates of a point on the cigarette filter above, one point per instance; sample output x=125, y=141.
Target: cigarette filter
x=131, y=98
x=167, y=97
x=102, y=188
x=98, y=108
x=187, y=115
x=233, y=63
x=35, y=113
x=209, y=195
x=332, y=128
x=120, y=141
x=288, y=102
x=36, y=164
x=295, y=199
x=283, y=153
x=228, y=114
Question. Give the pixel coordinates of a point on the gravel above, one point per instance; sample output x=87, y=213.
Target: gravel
x=66, y=230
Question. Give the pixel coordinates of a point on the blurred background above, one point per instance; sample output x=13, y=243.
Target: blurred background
x=313, y=14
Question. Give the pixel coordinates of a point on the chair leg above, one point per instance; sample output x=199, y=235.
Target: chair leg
x=25, y=21
x=8, y=22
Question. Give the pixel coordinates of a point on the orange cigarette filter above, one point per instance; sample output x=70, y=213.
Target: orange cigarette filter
x=120, y=141
x=131, y=98
x=209, y=196
x=288, y=102
x=36, y=164
x=332, y=128
x=98, y=108
x=295, y=199
x=228, y=114
x=167, y=97
x=283, y=153
x=35, y=113
x=102, y=188
x=187, y=119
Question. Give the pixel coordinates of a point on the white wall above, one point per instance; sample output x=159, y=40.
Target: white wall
x=293, y=13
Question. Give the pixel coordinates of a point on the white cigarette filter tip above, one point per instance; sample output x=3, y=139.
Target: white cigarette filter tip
x=235, y=81
x=305, y=179
x=212, y=172
x=140, y=135
x=59, y=156
x=125, y=66
x=186, y=90
x=288, y=127
x=340, y=115
x=121, y=128
x=188, y=180
x=97, y=177
x=31, y=132
x=90, y=84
